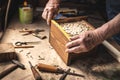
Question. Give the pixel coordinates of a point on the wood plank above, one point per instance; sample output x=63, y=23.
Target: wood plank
x=58, y=41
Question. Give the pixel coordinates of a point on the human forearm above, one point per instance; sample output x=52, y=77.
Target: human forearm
x=55, y=1
x=109, y=29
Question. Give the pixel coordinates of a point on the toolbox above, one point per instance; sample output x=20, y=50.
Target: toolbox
x=59, y=35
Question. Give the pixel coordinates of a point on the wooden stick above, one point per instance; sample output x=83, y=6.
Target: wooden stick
x=114, y=51
x=23, y=46
x=31, y=30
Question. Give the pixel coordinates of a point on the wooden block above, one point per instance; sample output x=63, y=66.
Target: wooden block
x=7, y=52
x=58, y=38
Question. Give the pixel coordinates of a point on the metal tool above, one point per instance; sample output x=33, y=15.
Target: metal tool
x=36, y=31
x=19, y=64
x=49, y=68
x=25, y=43
x=33, y=31
x=15, y=64
x=35, y=73
x=64, y=75
x=40, y=37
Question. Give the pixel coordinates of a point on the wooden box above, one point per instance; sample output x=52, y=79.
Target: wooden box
x=58, y=37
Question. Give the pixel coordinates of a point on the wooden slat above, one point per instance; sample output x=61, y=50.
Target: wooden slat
x=58, y=41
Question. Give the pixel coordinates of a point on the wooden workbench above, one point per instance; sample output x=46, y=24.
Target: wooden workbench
x=98, y=66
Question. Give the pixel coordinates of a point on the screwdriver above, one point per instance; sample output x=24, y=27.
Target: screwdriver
x=35, y=73
x=49, y=68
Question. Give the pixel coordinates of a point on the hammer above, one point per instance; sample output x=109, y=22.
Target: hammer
x=11, y=68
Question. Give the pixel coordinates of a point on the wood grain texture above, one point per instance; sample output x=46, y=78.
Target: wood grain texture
x=58, y=41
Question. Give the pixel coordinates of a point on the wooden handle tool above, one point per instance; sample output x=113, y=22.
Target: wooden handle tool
x=35, y=73
x=15, y=64
x=47, y=68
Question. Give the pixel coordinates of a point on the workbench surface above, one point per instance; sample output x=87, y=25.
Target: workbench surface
x=98, y=66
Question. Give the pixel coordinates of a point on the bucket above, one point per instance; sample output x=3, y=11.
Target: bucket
x=26, y=14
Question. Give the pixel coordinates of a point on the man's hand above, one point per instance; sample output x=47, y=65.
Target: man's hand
x=84, y=42
x=50, y=10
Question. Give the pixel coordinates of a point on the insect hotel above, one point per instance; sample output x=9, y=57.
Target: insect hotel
x=62, y=30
